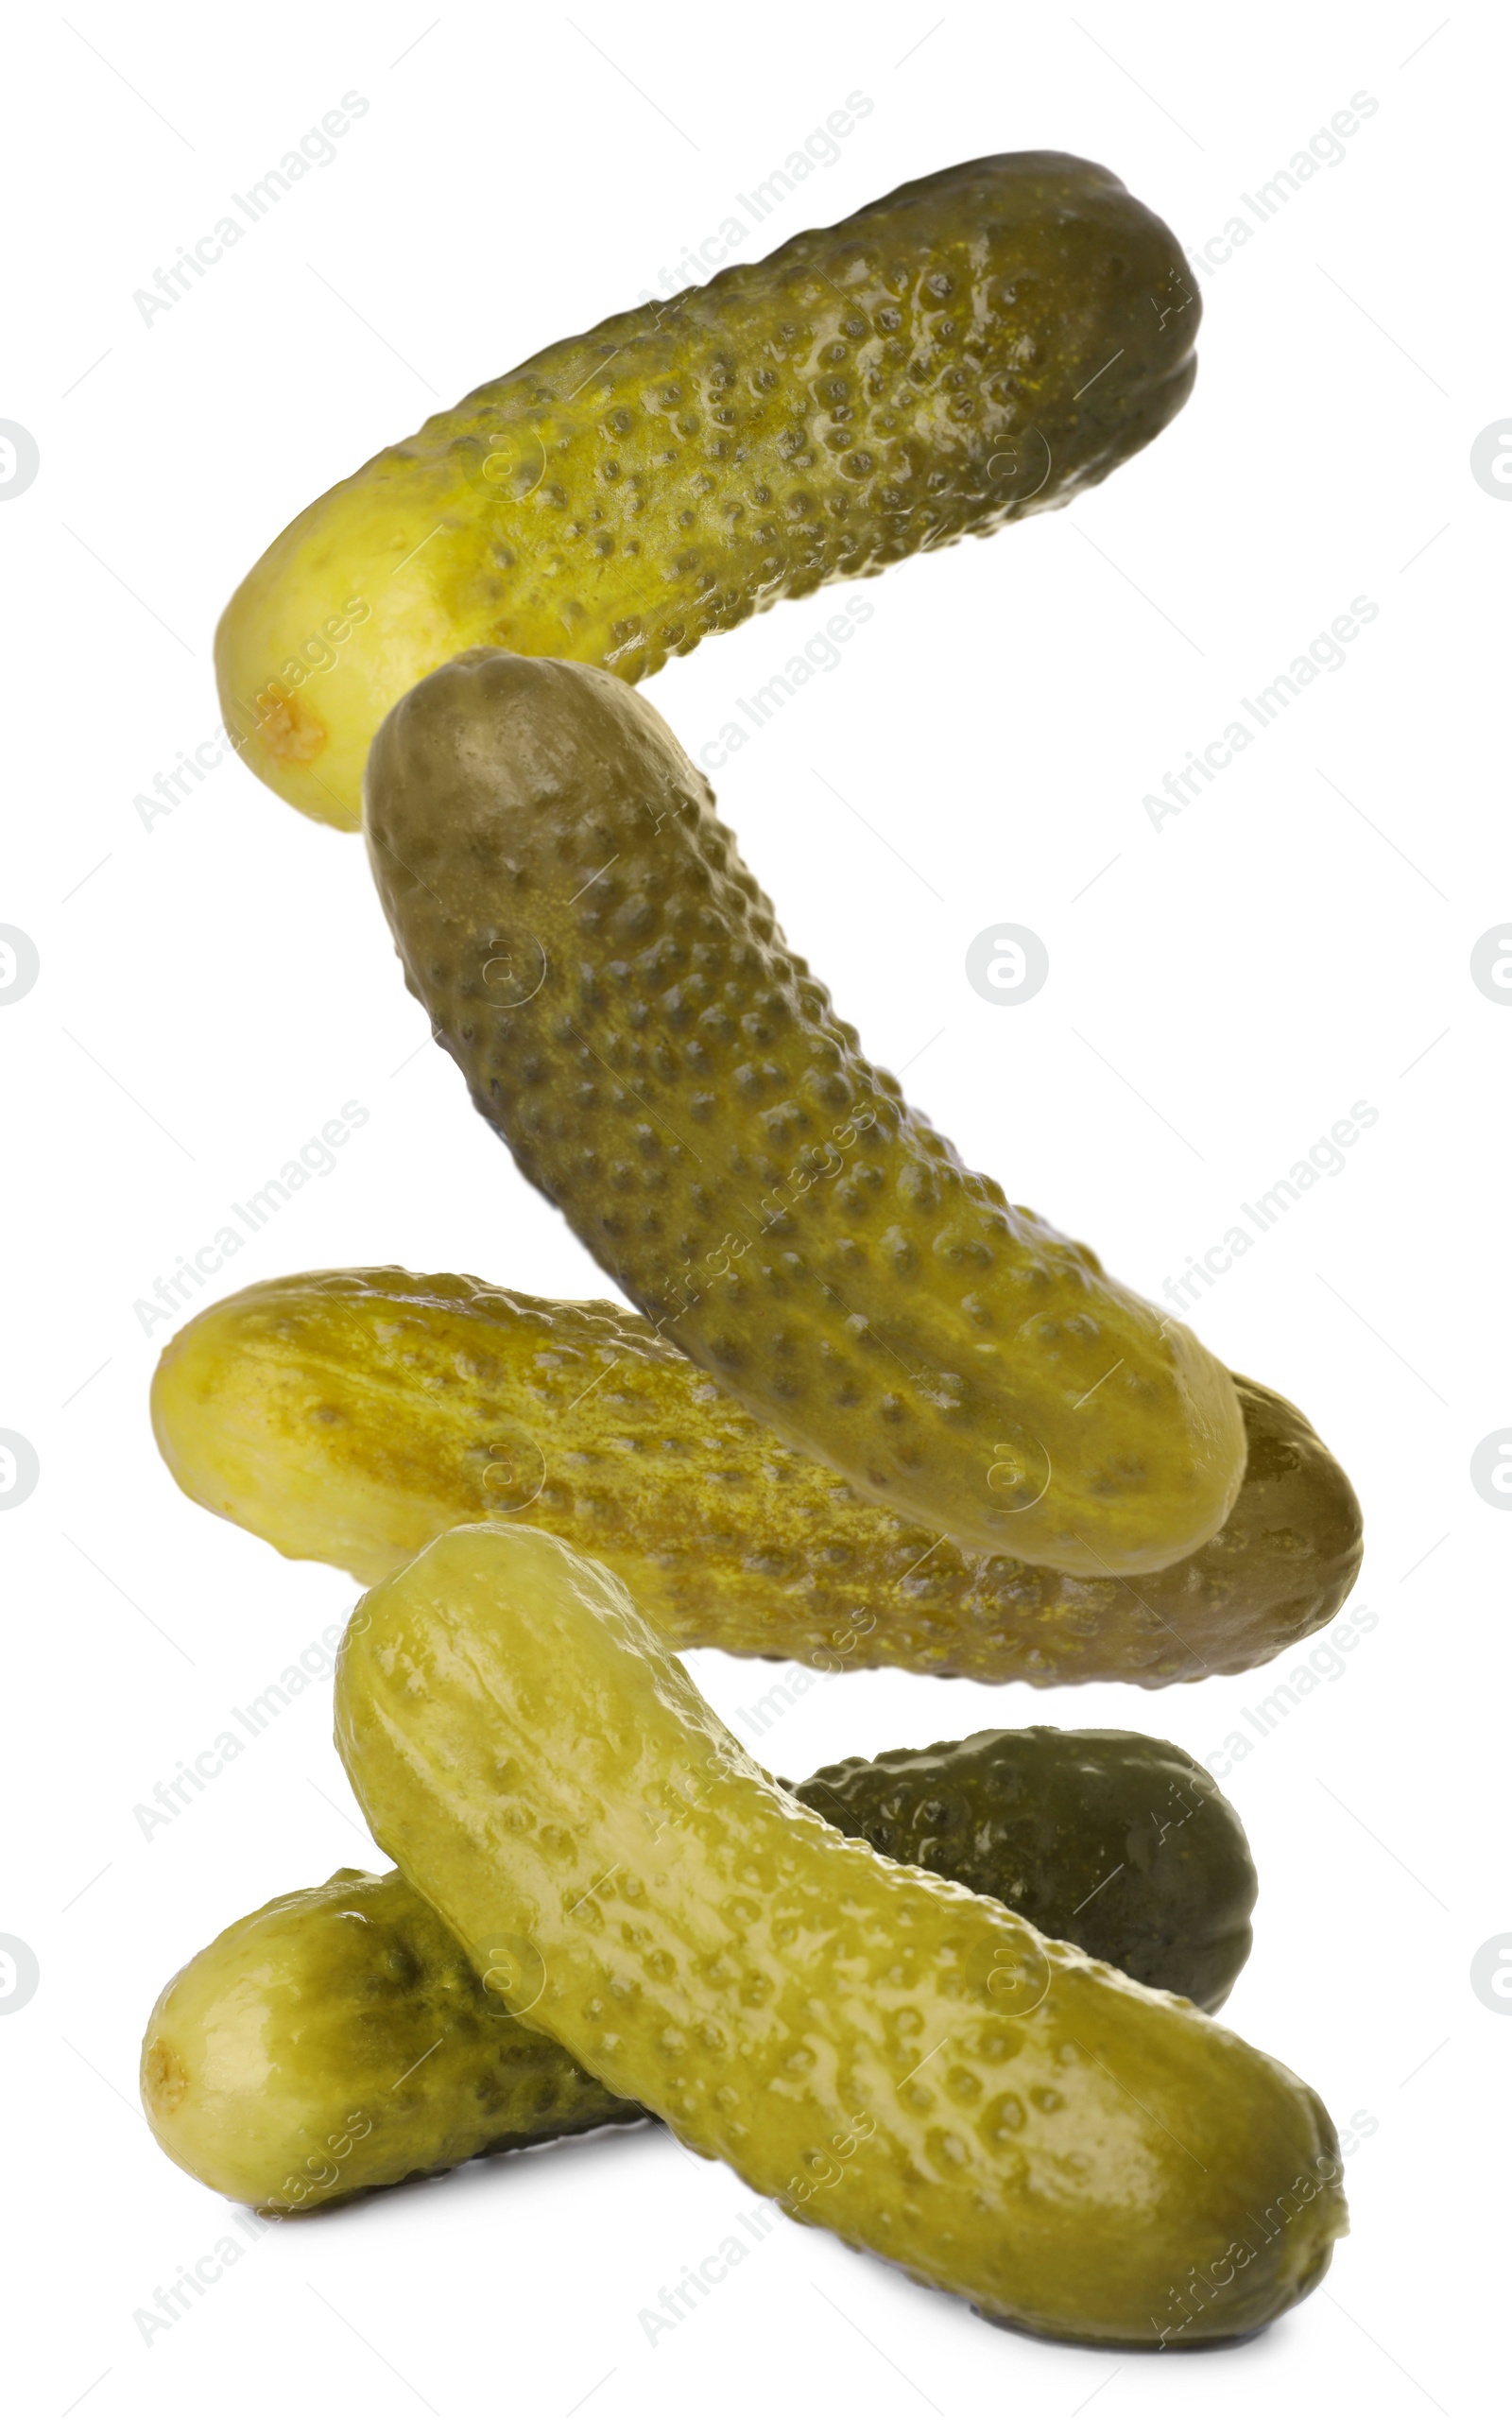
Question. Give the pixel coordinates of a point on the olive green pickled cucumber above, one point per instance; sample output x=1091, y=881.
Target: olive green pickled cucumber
x=340, y=2038
x=349, y=1416
x=1109, y=1840
x=893, y=2057
x=976, y=347
x=612, y=982
x=315, y=2010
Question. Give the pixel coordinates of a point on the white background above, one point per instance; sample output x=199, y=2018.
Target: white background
x=1221, y=990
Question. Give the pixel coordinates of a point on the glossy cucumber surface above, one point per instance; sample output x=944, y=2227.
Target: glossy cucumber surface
x=977, y=346
x=340, y=2038
x=324, y=2006
x=578, y=925
x=1109, y=1840
x=352, y=1415
x=889, y=2056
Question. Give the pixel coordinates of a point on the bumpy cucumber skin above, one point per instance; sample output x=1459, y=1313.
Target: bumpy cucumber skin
x=614, y=986
x=860, y=2041
x=1108, y=1840
x=349, y=1416
x=977, y=347
x=322, y=1998
x=296, y=2059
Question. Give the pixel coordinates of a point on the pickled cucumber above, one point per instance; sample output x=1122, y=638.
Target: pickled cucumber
x=886, y=2055
x=976, y=347
x=351, y=1414
x=1109, y=1840
x=613, y=987
x=314, y=2010
x=340, y=2038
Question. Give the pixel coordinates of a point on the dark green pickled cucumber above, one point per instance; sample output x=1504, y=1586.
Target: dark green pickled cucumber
x=977, y=346
x=1116, y=1843
x=614, y=988
x=279, y=2065
x=340, y=2038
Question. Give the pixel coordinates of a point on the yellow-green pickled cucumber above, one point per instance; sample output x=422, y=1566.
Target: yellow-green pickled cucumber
x=340, y=2038
x=979, y=346
x=312, y=2010
x=578, y=925
x=886, y=2055
x=349, y=1416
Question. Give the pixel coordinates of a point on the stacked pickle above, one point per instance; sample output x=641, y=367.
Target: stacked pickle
x=952, y=2004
